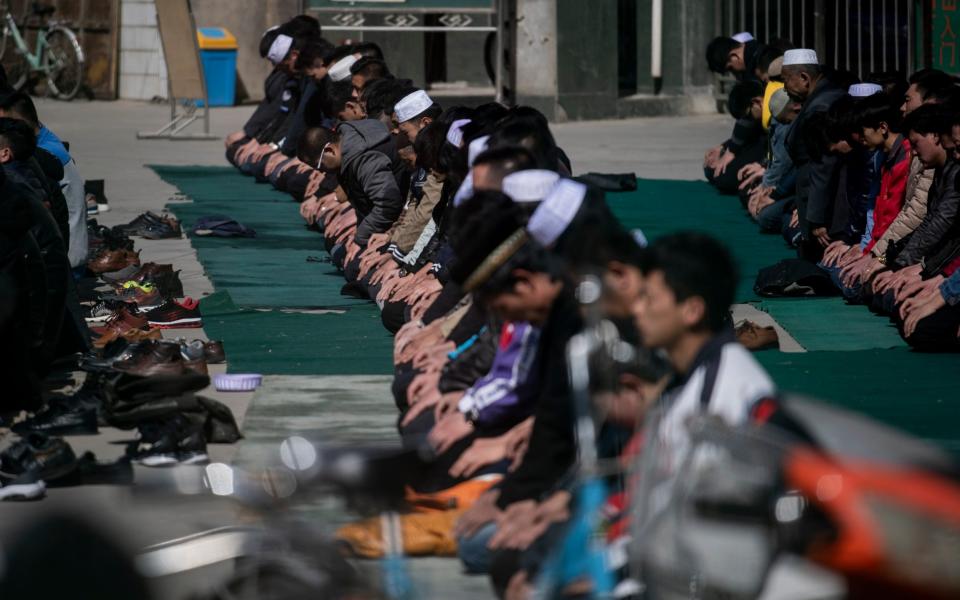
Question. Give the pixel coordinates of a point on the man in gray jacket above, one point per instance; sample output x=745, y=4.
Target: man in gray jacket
x=363, y=155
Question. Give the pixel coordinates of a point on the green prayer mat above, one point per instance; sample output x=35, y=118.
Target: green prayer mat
x=270, y=269
x=256, y=278
x=909, y=390
x=832, y=324
x=290, y=343
x=660, y=206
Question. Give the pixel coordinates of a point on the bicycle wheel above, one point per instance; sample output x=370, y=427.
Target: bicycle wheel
x=63, y=63
x=14, y=62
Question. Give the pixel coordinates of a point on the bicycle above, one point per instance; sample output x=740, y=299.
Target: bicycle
x=57, y=54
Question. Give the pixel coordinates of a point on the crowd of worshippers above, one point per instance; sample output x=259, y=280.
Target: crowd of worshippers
x=465, y=226
x=44, y=238
x=859, y=176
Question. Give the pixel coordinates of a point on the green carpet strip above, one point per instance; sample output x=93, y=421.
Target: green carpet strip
x=270, y=270
x=258, y=279
x=279, y=342
x=909, y=390
x=659, y=207
x=832, y=324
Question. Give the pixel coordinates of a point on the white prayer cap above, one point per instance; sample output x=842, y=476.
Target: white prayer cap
x=477, y=147
x=776, y=67
x=455, y=133
x=341, y=69
x=800, y=56
x=412, y=105
x=556, y=212
x=279, y=48
x=530, y=185
x=778, y=101
x=862, y=90
x=465, y=191
x=743, y=37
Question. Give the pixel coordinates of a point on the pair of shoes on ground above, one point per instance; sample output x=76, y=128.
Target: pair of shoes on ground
x=152, y=226
x=135, y=326
x=754, y=337
x=173, y=441
x=70, y=415
x=30, y=462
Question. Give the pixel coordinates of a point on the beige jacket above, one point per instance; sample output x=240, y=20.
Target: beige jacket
x=417, y=214
x=914, y=208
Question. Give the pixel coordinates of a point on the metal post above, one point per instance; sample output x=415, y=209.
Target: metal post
x=883, y=31
x=803, y=24
x=846, y=45
x=873, y=44
x=779, y=19
x=820, y=27
x=755, y=27
x=743, y=15
x=792, y=38
x=910, y=41
x=836, y=34
x=859, y=38
x=896, y=35
x=498, y=65
x=766, y=20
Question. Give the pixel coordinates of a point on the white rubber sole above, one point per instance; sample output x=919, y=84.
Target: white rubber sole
x=196, y=459
x=23, y=491
x=158, y=460
x=192, y=322
x=97, y=319
x=168, y=460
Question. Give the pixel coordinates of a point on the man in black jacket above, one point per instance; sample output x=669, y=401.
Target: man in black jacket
x=805, y=81
x=17, y=144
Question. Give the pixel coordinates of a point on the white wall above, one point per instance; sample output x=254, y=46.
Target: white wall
x=143, y=71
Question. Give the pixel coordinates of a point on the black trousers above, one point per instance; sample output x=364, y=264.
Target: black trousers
x=727, y=182
x=936, y=333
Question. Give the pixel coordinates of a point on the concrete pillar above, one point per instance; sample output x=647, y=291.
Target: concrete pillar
x=587, y=82
x=534, y=76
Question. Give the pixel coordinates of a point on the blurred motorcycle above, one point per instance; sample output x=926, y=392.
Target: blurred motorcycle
x=811, y=502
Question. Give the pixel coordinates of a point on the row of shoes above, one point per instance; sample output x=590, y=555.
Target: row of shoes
x=142, y=298
x=35, y=462
x=134, y=380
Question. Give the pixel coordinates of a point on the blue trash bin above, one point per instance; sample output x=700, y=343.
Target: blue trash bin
x=218, y=54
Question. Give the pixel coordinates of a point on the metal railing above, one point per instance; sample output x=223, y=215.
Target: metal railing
x=860, y=36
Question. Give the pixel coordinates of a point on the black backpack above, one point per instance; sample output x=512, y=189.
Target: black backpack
x=794, y=277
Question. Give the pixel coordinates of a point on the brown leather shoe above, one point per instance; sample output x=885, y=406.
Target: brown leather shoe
x=122, y=321
x=154, y=353
x=213, y=352
x=113, y=260
x=753, y=337
x=198, y=366
x=150, y=270
x=131, y=335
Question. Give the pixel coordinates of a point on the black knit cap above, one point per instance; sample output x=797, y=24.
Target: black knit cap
x=481, y=226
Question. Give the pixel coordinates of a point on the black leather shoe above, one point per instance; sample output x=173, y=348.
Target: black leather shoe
x=77, y=420
x=45, y=457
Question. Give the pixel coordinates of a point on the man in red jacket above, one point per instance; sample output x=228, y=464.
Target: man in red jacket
x=879, y=121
